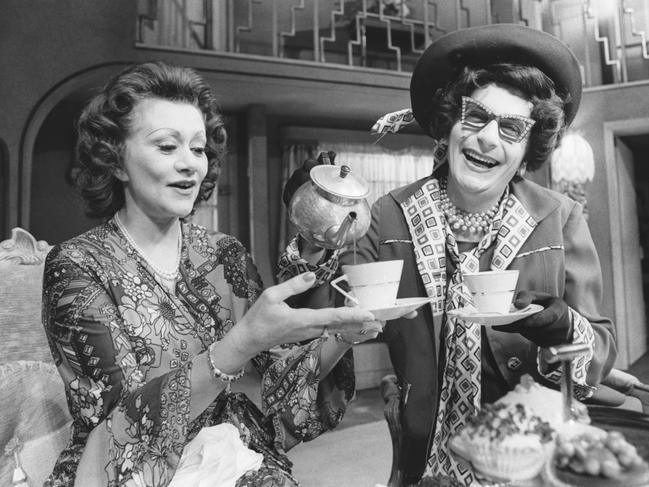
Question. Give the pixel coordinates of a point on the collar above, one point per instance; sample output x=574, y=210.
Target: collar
x=536, y=199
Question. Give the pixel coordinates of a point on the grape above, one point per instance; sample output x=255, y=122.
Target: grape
x=567, y=449
x=625, y=459
x=580, y=451
x=614, y=443
x=637, y=461
x=576, y=466
x=607, y=455
x=615, y=435
x=587, y=454
x=611, y=469
x=592, y=466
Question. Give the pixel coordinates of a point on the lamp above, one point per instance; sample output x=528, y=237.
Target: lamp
x=572, y=167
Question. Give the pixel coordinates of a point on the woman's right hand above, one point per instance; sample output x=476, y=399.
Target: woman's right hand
x=270, y=321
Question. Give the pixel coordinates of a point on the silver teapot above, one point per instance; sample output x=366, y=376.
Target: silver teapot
x=331, y=209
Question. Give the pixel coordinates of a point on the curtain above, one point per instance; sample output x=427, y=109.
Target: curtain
x=381, y=168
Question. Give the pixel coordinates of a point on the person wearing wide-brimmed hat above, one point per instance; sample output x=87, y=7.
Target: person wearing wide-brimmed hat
x=496, y=99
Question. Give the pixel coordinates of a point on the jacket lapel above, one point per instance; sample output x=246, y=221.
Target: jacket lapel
x=426, y=226
x=528, y=205
x=516, y=228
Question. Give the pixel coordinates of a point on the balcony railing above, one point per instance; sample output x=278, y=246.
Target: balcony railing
x=609, y=37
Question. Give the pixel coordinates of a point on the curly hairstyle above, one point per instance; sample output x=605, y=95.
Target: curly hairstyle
x=106, y=119
x=530, y=81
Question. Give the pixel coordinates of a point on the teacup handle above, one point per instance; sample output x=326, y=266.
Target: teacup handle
x=342, y=291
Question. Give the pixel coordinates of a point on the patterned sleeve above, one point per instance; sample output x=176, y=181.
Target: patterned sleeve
x=583, y=291
x=301, y=405
x=292, y=264
x=582, y=333
x=137, y=430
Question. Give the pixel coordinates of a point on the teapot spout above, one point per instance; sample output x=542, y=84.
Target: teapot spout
x=336, y=235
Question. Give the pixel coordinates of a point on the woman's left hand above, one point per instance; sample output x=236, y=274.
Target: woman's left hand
x=371, y=329
x=271, y=322
x=550, y=326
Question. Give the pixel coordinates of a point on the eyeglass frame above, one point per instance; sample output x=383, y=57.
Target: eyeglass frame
x=529, y=122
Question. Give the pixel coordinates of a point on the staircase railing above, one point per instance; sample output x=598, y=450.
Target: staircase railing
x=609, y=37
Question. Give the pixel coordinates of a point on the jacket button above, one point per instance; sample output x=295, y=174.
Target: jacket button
x=513, y=363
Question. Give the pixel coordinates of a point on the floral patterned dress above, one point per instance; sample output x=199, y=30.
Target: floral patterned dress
x=124, y=346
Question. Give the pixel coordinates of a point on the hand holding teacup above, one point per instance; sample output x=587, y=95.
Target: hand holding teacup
x=549, y=327
x=271, y=322
x=493, y=292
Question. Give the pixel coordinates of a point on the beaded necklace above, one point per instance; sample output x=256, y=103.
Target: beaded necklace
x=169, y=276
x=464, y=221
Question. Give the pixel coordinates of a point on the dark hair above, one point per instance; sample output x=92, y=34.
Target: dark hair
x=106, y=120
x=529, y=81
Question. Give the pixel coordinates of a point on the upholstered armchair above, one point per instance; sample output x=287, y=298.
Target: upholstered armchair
x=34, y=423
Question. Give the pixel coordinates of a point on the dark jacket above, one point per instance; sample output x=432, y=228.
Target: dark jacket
x=558, y=257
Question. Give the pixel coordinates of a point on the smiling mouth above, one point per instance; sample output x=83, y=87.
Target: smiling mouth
x=480, y=160
x=183, y=184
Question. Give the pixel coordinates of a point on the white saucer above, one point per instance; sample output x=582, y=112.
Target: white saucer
x=400, y=308
x=495, y=319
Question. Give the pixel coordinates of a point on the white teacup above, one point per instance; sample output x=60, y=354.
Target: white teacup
x=492, y=291
x=374, y=285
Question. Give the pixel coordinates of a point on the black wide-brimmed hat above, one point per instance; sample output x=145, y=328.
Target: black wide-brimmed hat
x=445, y=58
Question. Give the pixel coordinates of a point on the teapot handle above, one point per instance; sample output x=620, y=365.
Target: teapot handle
x=342, y=291
x=327, y=158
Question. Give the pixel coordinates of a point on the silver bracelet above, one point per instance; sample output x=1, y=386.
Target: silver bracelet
x=222, y=376
x=341, y=338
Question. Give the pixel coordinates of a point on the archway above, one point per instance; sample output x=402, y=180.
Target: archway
x=47, y=205
x=55, y=211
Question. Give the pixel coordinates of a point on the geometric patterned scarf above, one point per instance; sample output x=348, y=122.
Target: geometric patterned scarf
x=392, y=122
x=433, y=239
x=291, y=264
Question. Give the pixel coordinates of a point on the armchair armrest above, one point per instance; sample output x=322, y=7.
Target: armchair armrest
x=624, y=382
x=630, y=386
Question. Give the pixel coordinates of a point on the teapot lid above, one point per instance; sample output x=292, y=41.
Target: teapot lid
x=339, y=181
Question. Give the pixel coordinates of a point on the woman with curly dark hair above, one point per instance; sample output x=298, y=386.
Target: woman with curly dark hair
x=496, y=100
x=151, y=318
x=108, y=116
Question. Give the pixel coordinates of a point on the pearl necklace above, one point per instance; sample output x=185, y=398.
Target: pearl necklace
x=165, y=275
x=464, y=221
